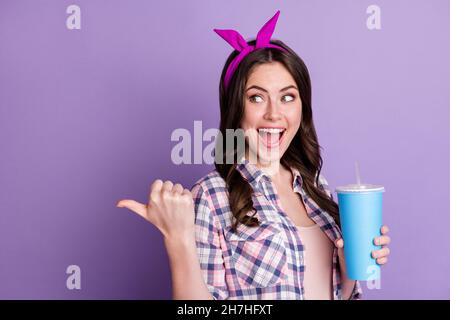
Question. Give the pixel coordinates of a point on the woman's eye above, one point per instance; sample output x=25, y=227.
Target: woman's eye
x=256, y=99
x=288, y=98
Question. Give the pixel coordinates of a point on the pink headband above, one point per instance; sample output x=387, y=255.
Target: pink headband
x=237, y=42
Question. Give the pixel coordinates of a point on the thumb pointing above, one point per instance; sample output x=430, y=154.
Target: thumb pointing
x=137, y=207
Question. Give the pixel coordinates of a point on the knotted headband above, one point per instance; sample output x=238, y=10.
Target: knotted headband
x=237, y=42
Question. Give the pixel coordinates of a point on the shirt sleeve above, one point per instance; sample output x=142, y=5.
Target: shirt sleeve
x=208, y=244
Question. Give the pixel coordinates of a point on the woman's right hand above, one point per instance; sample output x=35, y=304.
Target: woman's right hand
x=170, y=208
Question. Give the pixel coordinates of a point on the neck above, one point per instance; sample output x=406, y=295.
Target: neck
x=274, y=169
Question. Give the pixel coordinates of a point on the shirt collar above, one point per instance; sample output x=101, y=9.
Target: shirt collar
x=250, y=172
x=253, y=174
x=298, y=180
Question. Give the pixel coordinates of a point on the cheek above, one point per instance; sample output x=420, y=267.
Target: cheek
x=251, y=117
x=294, y=118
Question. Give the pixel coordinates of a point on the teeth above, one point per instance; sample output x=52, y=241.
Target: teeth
x=270, y=130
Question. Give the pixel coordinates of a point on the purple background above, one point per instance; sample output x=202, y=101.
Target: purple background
x=86, y=117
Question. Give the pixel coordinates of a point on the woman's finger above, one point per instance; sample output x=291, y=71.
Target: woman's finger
x=167, y=186
x=381, y=253
x=340, y=243
x=187, y=192
x=384, y=229
x=156, y=186
x=178, y=188
x=155, y=191
x=137, y=207
x=382, y=260
x=382, y=240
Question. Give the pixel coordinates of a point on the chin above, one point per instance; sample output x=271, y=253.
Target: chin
x=270, y=156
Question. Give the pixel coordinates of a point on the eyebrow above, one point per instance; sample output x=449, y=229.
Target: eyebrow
x=262, y=89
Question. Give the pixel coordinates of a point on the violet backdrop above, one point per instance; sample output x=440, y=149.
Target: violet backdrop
x=86, y=118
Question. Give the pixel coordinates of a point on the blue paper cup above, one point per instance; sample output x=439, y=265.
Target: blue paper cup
x=360, y=211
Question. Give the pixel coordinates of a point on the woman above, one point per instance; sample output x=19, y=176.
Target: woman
x=263, y=226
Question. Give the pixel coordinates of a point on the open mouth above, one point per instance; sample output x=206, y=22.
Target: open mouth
x=271, y=137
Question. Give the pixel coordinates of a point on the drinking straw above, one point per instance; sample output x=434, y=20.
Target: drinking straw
x=358, y=177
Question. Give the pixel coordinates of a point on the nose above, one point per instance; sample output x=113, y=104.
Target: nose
x=273, y=111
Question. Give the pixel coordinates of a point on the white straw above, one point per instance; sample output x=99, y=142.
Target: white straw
x=358, y=177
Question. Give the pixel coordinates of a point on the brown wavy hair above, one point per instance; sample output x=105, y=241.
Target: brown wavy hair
x=304, y=151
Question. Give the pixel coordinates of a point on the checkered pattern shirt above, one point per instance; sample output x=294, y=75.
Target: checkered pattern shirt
x=263, y=262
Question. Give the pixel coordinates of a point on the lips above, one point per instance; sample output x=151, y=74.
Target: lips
x=270, y=136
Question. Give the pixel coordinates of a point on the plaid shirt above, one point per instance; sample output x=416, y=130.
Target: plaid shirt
x=264, y=262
